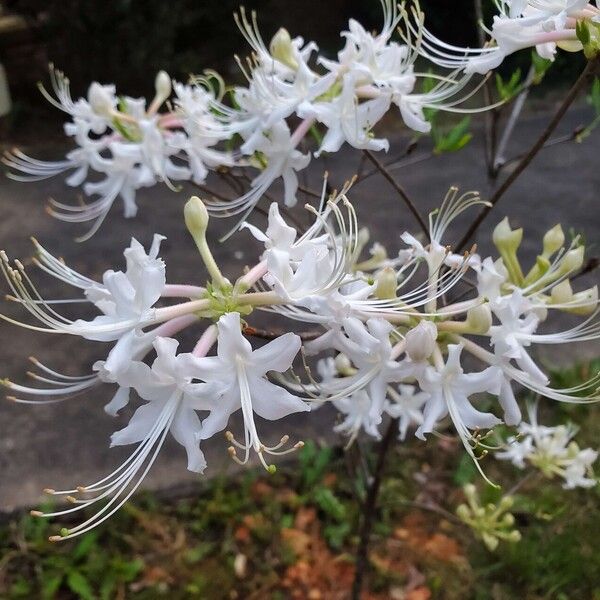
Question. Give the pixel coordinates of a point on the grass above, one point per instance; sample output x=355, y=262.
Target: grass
x=293, y=535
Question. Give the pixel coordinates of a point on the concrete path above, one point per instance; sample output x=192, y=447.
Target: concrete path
x=67, y=445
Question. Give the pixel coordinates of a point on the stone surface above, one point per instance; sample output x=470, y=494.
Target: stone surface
x=68, y=444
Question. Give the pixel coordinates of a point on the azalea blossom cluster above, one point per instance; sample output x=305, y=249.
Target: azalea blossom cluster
x=401, y=335
x=293, y=93
x=546, y=25
x=552, y=451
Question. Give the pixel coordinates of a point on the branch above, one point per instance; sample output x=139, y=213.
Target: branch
x=533, y=151
x=369, y=510
x=400, y=190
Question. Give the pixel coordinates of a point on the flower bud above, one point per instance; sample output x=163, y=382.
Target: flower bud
x=506, y=238
x=162, y=85
x=587, y=301
x=562, y=293
x=343, y=365
x=387, y=282
x=572, y=260
x=420, y=341
x=282, y=49
x=196, y=221
x=479, y=319
x=508, y=241
x=100, y=100
x=196, y=217
x=553, y=241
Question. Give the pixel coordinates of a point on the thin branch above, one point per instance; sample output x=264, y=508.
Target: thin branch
x=368, y=511
x=386, y=174
x=533, y=151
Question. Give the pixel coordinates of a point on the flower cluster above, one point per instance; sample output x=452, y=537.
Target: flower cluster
x=293, y=92
x=552, y=451
x=391, y=334
x=545, y=25
x=129, y=144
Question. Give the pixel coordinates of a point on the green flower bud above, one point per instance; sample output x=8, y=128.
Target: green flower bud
x=387, y=282
x=479, y=319
x=554, y=240
x=282, y=49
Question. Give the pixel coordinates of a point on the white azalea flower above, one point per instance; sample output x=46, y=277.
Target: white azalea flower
x=241, y=374
x=449, y=389
x=552, y=451
x=406, y=405
x=171, y=404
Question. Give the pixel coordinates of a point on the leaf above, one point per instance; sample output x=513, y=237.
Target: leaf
x=540, y=66
x=50, y=586
x=79, y=585
x=336, y=534
x=85, y=545
x=508, y=89
x=458, y=137
x=594, y=97
x=330, y=504
x=465, y=471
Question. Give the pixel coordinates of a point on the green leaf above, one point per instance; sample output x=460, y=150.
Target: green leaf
x=582, y=32
x=508, y=89
x=540, y=66
x=594, y=97
x=79, y=585
x=330, y=504
x=85, y=545
x=50, y=585
x=465, y=471
x=336, y=534
x=458, y=137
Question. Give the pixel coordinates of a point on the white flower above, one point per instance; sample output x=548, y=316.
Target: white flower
x=241, y=373
x=170, y=397
x=347, y=120
x=421, y=341
x=450, y=388
x=512, y=336
x=552, y=451
x=358, y=414
x=370, y=351
x=171, y=404
x=126, y=296
x=406, y=405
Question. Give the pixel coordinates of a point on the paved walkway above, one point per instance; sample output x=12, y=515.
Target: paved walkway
x=64, y=445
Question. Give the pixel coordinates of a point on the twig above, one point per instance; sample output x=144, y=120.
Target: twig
x=499, y=159
x=369, y=508
x=537, y=146
x=386, y=174
x=490, y=118
x=270, y=334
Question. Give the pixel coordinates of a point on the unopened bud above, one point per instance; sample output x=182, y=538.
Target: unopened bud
x=343, y=365
x=562, y=293
x=196, y=216
x=162, y=85
x=387, y=282
x=506, y=238
x=586, y=302
x=479, y=319
x=420, y=341
x=573, y=260
x=507, y=241
x=282, y=49
x=553, y=240
x=101, y=101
